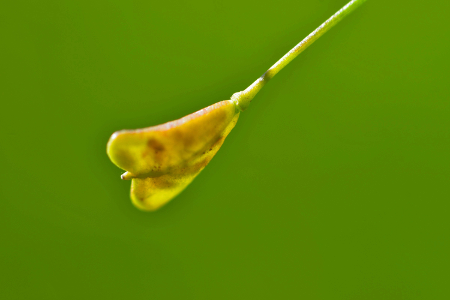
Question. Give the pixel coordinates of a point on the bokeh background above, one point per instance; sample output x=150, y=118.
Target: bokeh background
x=333, y=185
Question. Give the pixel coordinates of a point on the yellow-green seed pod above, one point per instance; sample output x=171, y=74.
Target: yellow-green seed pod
x=162, y=160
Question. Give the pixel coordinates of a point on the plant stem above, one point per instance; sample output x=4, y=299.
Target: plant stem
x=243, y=98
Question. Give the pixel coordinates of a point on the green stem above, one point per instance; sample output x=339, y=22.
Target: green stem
x=243, y=98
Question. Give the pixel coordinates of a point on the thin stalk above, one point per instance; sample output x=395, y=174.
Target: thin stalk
x=243, y=98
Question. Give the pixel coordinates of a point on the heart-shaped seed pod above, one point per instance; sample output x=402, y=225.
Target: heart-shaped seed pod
x=162, y=160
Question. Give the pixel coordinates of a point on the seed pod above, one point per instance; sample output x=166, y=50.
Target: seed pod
x=162, y=160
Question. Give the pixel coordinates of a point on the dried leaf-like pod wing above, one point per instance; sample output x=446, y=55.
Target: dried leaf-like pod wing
x=164, y=159
x=156, y=150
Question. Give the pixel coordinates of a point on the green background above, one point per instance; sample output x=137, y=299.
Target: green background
x=333, y=185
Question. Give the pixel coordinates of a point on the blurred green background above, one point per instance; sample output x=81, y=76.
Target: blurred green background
x=333, y=185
